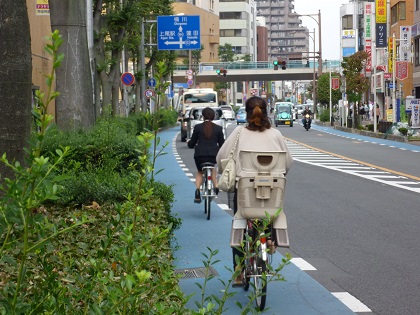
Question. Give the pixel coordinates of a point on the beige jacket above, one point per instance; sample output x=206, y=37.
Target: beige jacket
x=268, y=140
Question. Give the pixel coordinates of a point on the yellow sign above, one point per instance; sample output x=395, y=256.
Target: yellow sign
x=42, y=7
x=380, y=11
x=390, y=53
x=389, y=115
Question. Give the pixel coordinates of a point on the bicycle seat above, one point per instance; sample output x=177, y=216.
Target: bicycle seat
x=207, y=164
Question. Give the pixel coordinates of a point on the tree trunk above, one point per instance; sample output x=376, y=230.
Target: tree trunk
x=74, y=106
x=15, y=81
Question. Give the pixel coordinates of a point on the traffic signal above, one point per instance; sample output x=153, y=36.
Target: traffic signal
x=221, y=72
x=276, y=64
x=283, y=65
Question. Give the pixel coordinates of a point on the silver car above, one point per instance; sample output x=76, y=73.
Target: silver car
x=228, y=112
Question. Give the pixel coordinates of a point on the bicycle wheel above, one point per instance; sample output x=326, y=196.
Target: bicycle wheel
x=207, y=203
x=259, y=281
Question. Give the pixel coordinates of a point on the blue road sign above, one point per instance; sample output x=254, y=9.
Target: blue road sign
x=151, y=82
x=127, y=78
x=178, y=32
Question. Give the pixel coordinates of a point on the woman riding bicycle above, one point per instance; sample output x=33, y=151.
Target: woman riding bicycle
x=207, y=138
x=256, y=136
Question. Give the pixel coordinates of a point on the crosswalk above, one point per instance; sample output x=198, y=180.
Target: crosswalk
x=317, y=158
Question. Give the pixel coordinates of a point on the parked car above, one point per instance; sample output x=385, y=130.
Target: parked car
x=228, y=112
x=195, y=117
x=241, y=116
x=283, y=114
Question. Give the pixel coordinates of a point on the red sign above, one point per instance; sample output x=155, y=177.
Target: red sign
x=335, y=83
x=387, y=75
x=127, y=78
x=401, y=70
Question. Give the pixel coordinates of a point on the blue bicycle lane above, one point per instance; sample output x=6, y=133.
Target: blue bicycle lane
x=299, y=294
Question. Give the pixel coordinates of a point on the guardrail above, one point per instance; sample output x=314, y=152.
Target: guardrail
x=294, y=64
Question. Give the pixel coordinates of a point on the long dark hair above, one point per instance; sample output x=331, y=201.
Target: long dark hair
x=256, y=114
x=208, y=115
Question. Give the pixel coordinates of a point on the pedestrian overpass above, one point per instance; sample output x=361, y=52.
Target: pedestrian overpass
x=238, y=71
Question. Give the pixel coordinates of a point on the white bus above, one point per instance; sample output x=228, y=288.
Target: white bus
x=198, y=97
x=195, y=98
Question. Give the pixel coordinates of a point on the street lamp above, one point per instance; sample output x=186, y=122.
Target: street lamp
x=312, y=16
x=314, y=77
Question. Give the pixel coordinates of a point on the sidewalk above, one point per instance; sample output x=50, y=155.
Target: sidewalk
x=298, y=295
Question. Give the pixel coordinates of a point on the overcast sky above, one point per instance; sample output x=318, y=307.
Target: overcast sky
x=330, y=24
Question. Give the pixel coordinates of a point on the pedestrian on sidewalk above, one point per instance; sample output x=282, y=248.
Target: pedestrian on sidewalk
x=377, y=113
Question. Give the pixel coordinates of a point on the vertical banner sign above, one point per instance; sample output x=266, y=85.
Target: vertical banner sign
x=380, y=9
x=335, y=83
x=390, y=53
x=415, y=120
x=42, y=7
x=405, y=41
x=368, y=35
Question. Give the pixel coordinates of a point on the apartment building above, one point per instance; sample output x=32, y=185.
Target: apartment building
x=238, y=26
x=286, y=35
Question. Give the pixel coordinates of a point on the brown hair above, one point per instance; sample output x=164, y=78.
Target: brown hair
x=256, y=114
x=208, y=115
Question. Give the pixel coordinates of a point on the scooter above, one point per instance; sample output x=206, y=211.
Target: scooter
x=307, y=122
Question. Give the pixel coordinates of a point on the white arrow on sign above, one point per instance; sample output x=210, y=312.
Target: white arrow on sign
x=181, y=42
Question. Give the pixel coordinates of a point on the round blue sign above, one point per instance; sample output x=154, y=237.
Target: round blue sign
x=127, y=78
x=151, y=82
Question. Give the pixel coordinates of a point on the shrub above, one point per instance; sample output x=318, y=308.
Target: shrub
x=370, y=127
x=403, y=131
x=325, y=115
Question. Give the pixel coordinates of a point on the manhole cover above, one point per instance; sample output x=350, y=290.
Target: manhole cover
x=196, y=272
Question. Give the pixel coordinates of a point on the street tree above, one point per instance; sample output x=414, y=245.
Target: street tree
x=356, y=83
x=323, y=91
x=74, y=105
x=15, y=82
x=117, y=27
x=226, y=53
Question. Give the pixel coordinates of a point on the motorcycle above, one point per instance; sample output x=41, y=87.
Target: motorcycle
x=307, y=122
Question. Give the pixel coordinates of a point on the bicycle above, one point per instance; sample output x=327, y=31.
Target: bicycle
x=207, y=191
x=255, y=270
x=262, y=187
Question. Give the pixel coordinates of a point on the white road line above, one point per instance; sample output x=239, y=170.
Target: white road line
x=223, y=206
x=302, y=264
x=351, y=302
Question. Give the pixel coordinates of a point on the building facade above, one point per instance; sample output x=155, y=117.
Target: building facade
x=238, y=26
x=286, y=36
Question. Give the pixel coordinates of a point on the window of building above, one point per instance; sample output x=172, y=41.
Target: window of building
x=211, y=4
x=398, y=12
x=417, y=5
x=347, y=22
x=230, y=33
x=417, y=52
x=230, y=15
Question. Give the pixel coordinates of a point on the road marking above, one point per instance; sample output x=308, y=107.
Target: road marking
x=223, y=206
x=310, y=155
x=351, y=302
x=302, y=264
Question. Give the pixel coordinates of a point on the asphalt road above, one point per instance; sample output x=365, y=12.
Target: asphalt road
x=352, y=205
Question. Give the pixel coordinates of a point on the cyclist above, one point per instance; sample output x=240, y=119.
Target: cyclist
x=206, y=139
x=257, y=136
